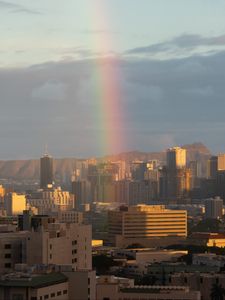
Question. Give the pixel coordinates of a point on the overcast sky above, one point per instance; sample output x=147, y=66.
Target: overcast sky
x=168, y=64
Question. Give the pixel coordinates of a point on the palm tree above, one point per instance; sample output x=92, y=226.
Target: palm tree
x=217, y=292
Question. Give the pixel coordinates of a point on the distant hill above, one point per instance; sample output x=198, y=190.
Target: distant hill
x=29, y=169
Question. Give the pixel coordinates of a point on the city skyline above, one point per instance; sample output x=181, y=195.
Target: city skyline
x=92, y=80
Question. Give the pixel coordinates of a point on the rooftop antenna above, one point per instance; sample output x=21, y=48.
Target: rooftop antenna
x=46, y=149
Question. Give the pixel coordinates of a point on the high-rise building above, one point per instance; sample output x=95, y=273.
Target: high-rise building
x=14, y=204
x=214, y=208
x=221, y=162
x=212, y=167
x=194, y=167
x=175, y=184
x=46, y=171
x=176, y=158
x=81, y=189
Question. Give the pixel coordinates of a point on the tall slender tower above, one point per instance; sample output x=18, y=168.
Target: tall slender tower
x=46, y=171
x=176, y=158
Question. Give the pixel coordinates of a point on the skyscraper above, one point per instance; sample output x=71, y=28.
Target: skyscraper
x=214, y=208
x=46, y=171
x=176, y=158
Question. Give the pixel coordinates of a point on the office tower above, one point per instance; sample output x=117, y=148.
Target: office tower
x=138, y=169
x=145, y=222
x=122, y=191
x=212, y=167
x=81, y=189
x=174, y=184
x=14, y=204
x=176, y=158
x=221, y=162
x=2, y=194
x=214, y=208
x=46, y=171
x=194, y=167
x=175, y=178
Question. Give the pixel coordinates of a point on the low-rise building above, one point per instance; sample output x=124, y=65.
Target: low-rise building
x=113, y=288
x=209, y=259
x=203, y=282
x=137, y=224
x=21, y=286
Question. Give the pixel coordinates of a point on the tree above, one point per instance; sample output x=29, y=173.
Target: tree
x=217, y=292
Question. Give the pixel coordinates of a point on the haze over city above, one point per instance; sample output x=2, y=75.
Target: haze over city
x=60, y=62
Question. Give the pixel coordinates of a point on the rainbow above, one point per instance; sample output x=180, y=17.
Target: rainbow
x=109, y=108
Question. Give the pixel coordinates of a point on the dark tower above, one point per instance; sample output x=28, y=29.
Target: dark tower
x=46, y=171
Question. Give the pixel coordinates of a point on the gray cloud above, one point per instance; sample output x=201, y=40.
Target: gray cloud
x=162, y=103
x=17, y=8
x=185, y=41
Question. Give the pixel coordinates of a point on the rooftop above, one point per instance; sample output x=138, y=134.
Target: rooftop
x=34, y=281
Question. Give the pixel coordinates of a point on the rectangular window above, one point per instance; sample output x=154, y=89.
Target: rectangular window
x=52, y=295
x=7, y=246
x=8, y=255
x=46, y=296
x=8, y=265
x=59, y=293
x=64, y=292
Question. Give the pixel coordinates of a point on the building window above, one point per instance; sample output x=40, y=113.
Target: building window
x=59, y=293
x=52, y=295
x=7, y=265
x=50, y=256
x=7, y=246
x=64, y=292
x=50, y=246
x=46, y=296
x=8, y=255
x=33, y=298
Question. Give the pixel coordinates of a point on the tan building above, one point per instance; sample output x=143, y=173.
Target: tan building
x=14, y=204
x=113, y=288
x=147, y=222
x=61, y=244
